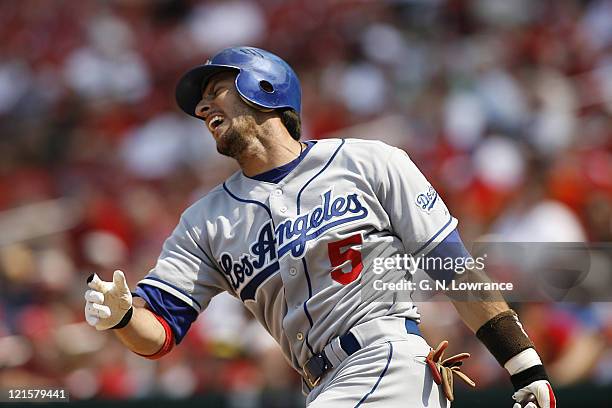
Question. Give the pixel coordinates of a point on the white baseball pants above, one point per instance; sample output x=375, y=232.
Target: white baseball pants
x=387, y=373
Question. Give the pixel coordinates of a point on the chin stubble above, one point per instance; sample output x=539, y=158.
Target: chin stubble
x=235, y=141
x=232, y=144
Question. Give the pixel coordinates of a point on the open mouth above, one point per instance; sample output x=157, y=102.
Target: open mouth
x=215, y=122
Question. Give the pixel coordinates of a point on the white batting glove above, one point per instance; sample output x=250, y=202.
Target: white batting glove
x=537, y=394
x=107, y=303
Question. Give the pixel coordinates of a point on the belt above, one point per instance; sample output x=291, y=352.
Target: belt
x=318, y=365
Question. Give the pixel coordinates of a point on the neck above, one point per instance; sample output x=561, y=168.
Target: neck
x=268, y=151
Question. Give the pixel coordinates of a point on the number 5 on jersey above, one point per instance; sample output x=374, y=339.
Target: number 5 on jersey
x=339, y=255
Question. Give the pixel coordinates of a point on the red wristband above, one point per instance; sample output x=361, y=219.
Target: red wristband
x=168, y=342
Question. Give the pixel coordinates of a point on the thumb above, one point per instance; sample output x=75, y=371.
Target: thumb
x=119, y=281
x=95, y=283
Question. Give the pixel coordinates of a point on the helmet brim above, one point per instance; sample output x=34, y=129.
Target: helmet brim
x=189, y=88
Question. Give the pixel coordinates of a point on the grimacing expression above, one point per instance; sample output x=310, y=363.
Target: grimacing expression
x=229, y=119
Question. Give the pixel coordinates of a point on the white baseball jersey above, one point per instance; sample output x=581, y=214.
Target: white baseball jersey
x=297, y=252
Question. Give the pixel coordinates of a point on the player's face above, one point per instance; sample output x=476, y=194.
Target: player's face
x=229, y=119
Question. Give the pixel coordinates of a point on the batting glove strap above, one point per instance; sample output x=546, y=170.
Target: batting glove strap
x=125, y=320
x=528, y=376
x=108, y=304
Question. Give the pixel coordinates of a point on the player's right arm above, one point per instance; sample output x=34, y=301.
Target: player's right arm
x=109, y=305
x=168, y=299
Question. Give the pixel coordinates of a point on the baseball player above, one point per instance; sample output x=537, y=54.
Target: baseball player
x=294, y=235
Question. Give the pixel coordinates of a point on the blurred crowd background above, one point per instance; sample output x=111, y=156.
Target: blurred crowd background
x=506, y=106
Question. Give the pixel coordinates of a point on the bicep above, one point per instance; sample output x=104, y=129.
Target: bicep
x=475, y=307
x=417, y=214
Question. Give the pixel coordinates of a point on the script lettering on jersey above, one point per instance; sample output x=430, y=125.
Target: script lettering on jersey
x=263, y=251
x=426, y=200
x=294, y=234
x=290, y=236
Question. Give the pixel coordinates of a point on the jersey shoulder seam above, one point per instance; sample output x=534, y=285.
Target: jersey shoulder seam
x=354, y=140
x=379, y=146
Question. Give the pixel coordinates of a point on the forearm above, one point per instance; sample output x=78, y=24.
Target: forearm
x=482, y=305
x=476, y=313
x=144, y=334
x=499, y=329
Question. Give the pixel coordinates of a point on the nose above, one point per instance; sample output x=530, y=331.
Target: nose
x=202, y=108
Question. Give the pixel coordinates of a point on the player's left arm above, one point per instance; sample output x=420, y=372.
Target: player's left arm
x=500, y=330
x=424, y=225
x=487, y=314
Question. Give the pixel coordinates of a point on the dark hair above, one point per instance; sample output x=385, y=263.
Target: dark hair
x=291, y=120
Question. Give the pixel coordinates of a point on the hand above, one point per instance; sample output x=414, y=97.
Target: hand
x=537, y=394
x=107, y=303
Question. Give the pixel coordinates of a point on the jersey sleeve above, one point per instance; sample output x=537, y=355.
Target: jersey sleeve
x=417, y=214
x=184, y=279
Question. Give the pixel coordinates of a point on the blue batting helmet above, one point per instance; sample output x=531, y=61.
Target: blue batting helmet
x=263, y=79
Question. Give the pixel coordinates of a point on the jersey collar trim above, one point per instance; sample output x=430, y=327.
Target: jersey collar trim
x=277, y=174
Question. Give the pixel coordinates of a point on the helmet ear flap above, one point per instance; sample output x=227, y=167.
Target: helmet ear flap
x=253, y=89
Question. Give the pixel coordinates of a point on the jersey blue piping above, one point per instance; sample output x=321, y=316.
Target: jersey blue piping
x=380, y=377
x=277, y=174
x=434, y=237
x=317, y=175
x=303, y=259
x=305, y=307
x=175, y=288
x=242, y=200
x=270, y=270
